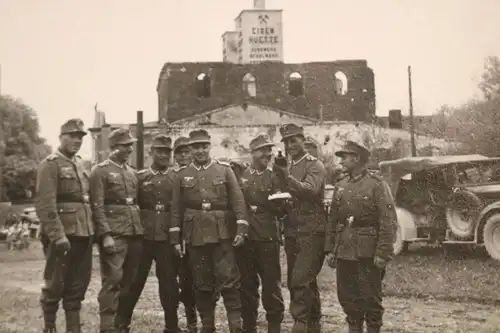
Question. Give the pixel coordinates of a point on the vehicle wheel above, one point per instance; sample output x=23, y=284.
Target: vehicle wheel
x=461, y=217
x=491, y=236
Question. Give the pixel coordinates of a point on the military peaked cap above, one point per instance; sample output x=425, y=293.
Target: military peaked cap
x=351, y=147
x=121, y=136
x=311, y=142
x=261, y=140
x=199, y=136
x=74, y=125
x=181, y=142
x=161, y=141
x=289, y=130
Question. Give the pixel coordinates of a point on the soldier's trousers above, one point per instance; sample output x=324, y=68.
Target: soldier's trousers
x=185, y=272
x=67, y=276
x=162, y=252
x=260, y=259
x=305, y=256
x=215, y=271
x=359, y=288
x=118, y=271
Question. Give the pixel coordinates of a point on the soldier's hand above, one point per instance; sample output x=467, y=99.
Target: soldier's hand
x=63, y=245
x=178, y=250
x=331, y=261
x=108, y=243
x=238, y=240
x=379, y=262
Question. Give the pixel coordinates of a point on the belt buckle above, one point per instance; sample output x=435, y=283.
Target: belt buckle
x=253, y=208
x=206, y=205
x=85, y=198
x=129, y=201
x=160, y=207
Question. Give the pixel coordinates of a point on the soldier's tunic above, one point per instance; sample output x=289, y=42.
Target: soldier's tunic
x=202, y=198
x=155, y=195
x=113, y=189
x=260, y=255
x=62, y=204
x=362, y=222
x=304, y=229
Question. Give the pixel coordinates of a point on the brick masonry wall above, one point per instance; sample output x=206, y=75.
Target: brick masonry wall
x=177, y=97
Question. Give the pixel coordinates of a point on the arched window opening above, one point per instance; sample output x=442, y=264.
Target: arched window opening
x=340, y=83
x=295, y=85
x=249, y=85
x=203, y=85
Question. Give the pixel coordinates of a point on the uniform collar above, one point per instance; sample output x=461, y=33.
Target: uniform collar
x=204, y=167
x=71, y=159
x=300, y=159
x=158, y=172
x=255, y=171
x=122, y=166
x=358, y=176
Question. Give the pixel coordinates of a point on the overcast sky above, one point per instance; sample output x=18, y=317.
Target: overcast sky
x=61, y=57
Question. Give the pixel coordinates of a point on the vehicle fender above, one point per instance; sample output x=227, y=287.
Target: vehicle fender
x=406, y=224
x=481, y=220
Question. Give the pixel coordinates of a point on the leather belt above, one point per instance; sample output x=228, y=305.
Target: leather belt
x=207, y=206
x=156, y=207
x=74, y=199
x=121, y=201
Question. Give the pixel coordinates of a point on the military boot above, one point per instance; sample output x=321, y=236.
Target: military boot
x=192, y=320
x=314, y=326
x=299, y=327
x=207, y=323
x=49, y=320
x=355, y=328
x=235, y=322
x=273, y=327
x=372, y=329
x=73, y=322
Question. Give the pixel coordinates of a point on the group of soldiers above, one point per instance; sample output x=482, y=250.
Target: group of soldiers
x=212, y=231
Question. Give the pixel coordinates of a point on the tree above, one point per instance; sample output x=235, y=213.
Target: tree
x=490, y=84
x=24, y=148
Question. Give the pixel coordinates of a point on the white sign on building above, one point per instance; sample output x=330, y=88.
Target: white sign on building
x=260, y=36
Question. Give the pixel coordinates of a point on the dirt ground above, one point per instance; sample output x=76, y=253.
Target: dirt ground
x=21, y=276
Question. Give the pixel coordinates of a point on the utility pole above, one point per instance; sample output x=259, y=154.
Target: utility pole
x=412, y=124
x=2, y=140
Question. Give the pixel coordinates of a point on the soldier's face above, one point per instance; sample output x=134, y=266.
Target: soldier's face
x=71, y=142
x=262, y=156
x=294, y=146
x=200, y=152
x=161, y=156
x=122, y=152
x=349, y=161
x=183, y=156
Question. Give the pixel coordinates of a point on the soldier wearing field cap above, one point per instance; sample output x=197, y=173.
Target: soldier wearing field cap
x=204, y=193
x=360, y=238
x=62, y=204
x=304, y=228
x=155, y=195
x=182, y=156
x=114, y=188
x=259, y=257
x=312, y=146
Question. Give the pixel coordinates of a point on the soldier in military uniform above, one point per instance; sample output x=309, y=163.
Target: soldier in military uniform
x=360, y=241
x=260, y=255
x=155, y=195
x=62, y=204
x=114, y=188
x=304, y=228
x=182, y=156
x=204, y=193
x=312, y=146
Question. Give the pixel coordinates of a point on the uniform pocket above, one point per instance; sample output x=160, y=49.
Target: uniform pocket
x=367, y=242
x=219, y=185
x=68, y=218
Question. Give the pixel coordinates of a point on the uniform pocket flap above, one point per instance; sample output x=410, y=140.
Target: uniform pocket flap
x=218, y=181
